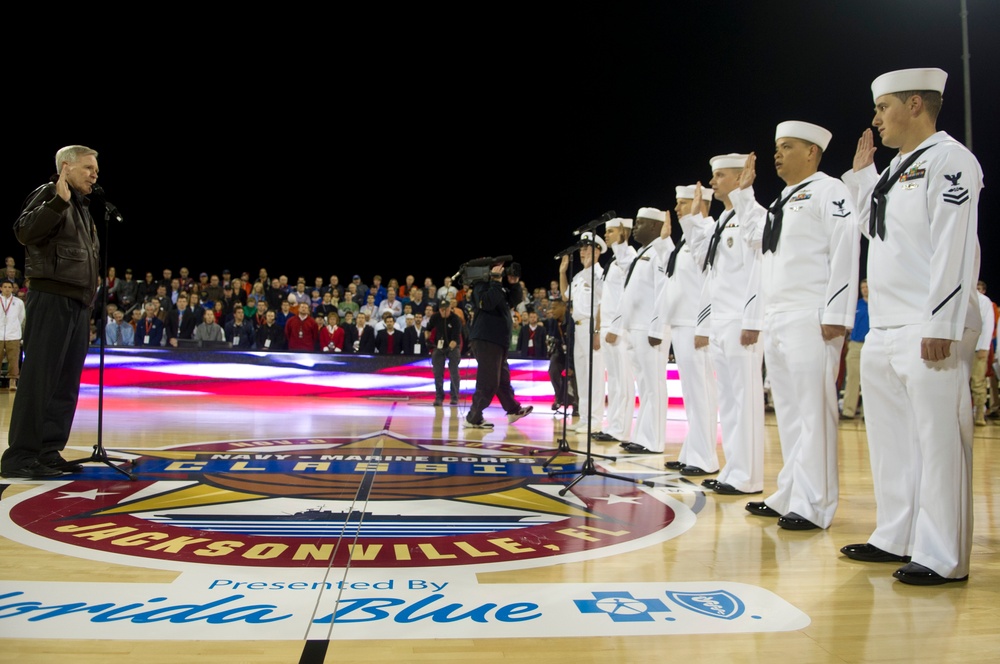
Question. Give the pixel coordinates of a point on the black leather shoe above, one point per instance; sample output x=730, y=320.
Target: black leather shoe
x=710, y=484
x=453, y=402
x=673, y=465
x=760, y=508
x=556, y=405
x=916, y=574
x=870, y=553
x=34, y=470
x=604, y=437
x=793, y=521
x=730, y=490
x=55, y=460
x=636, y=448
x=439, y=402
x=695, y=471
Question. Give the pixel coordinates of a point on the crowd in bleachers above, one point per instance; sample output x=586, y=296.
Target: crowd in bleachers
x=266, y=312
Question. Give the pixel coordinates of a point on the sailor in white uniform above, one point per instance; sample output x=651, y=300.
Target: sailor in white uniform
x=679, y=308
x=585, y=292
x=809, y=285
x=621, y=381
x=646, y=340
x=729, y=318
x=921, y=218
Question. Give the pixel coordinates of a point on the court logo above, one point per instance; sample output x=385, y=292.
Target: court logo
x=379, y=501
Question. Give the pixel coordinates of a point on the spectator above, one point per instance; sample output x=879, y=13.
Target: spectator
x=269, y=335
x=12, y=321
x=239, y=330
x=389, y=340
x=531, y=342
x=209, y=329
x=128, y=291
x=119, y=332
x=391, y=304
x=302, y=332
x=331, y=335
x=150, y=330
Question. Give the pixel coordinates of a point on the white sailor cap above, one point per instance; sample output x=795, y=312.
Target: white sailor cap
x=651, y=213
x=905, y=80
x=619, y=222
x=805, y=131
x=590, y=237
x=687, y=193
x=731, y=160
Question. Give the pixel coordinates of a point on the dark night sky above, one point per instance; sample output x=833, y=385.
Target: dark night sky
x=392, y=142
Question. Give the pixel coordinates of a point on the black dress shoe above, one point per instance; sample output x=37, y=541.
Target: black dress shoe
x=34, y=470
x=695, y=471
x=673, y=465
x=710, y=483
x=760, y=508
x=870, y=553
x=604, y=437
x=916, y=574
x=730, y=490
x=793, y=521
x=55, y=460
x=636, y=448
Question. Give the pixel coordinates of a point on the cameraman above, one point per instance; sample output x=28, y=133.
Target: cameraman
x=489, y=334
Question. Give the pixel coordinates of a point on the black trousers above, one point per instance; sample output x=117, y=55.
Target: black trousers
x=492, y=379
x=56, y=337
x=563, y=386
x=454, y=357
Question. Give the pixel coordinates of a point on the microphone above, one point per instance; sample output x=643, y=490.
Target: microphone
x=569, y=250
x=108, y=205
x=591, y=225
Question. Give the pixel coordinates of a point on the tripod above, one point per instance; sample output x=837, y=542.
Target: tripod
x=99, y=453
x=589, y=468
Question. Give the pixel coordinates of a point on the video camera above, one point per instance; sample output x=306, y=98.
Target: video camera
x=479, y=269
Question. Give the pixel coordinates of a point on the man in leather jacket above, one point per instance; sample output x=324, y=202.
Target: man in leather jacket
x=61, y=259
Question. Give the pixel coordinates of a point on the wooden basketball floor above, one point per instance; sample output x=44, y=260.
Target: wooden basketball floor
x=854, y=612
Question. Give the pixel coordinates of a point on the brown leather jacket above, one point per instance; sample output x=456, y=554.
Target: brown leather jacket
x=61, y=245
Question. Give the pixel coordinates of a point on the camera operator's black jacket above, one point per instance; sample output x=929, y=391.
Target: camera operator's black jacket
x=492, y=302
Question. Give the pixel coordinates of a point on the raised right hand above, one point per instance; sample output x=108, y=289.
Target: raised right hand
x=865, y=154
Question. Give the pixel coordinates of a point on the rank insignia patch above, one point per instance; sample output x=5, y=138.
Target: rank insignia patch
x=956, y=194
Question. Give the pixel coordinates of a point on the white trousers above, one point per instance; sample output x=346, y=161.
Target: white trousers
x=803, y=370
x=592, y=403
x=649, y=364
x=919, y=420
x=701, y=401
x=741, y=406
x=621, y=389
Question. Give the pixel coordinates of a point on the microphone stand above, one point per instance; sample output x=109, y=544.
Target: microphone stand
x=589, y=468
x=100, y=454
x=563, y=446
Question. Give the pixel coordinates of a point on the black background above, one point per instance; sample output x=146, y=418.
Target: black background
x=408, y=140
